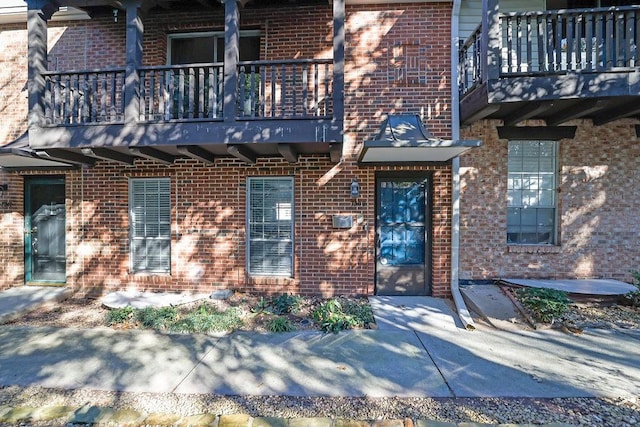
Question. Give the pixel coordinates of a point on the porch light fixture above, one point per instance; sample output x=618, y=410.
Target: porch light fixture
x=4, y=188
x=355, y=188
x=115, y=15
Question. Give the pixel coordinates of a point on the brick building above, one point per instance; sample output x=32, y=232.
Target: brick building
x=306, y=147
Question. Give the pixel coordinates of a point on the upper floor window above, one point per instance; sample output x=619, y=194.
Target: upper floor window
x=150, y=216
x=206, y=47
x=531, y=191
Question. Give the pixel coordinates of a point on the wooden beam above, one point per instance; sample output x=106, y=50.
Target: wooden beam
x=153, y=154
x=531, y=110
x=83, y=4
x=196, y=152
x=288, y=152
x=231, y=58
x=109, y=155
x=620, y=112
x=243, y=153
x=335, y=152
x=338, y=58
x=66, y=156
x=480, y=114
x=553, y=133
x=583, y=108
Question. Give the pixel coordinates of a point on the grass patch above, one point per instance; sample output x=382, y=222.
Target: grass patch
x=280, y=324
x=547, y=305
x=119, y=316
x=203, y=319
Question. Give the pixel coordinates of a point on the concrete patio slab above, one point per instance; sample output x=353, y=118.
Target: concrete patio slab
x=400, y=313
x=578, y=286
x=494, y=307
x=14, y=302
x=354, y=363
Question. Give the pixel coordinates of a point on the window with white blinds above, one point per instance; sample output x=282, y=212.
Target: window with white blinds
x=150, y=234
x=531, y=191
x=270, y=220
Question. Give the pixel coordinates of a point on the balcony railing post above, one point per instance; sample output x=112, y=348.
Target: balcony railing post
x=231, y=58
x=38, y=12
x=338, y=58
x=491, y=35
x=134, y=34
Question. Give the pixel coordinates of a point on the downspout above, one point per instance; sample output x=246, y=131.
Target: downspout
x=461, y=307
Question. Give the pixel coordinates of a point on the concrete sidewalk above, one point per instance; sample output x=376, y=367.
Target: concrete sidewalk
x=425, y=355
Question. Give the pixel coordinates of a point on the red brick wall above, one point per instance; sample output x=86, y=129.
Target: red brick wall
x=208, y=202
x=598, y=228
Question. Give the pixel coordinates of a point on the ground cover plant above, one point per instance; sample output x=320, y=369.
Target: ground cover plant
x=547, y=305
x=277, y=313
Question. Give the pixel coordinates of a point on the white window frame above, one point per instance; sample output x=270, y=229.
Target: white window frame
x=163, y=197
x=532, y=202
x=288, y=213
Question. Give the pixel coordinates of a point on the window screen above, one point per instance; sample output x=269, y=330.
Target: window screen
x=270, y=218
x=150, y=211
x=531, y=191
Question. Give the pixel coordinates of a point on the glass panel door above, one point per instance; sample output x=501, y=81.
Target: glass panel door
x=45, y=259
x=401, y=260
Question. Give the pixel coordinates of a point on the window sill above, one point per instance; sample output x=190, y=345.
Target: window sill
x=534, y=249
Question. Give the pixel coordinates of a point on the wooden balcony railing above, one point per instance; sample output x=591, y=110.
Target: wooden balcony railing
x=81, y=97
x=289, y=89
x=556, y=42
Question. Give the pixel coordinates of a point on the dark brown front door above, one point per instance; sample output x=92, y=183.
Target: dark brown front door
x=401, y=231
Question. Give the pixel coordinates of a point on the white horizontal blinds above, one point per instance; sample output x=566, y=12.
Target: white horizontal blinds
x=270, y=218
x=150, y=206
x=531, y=192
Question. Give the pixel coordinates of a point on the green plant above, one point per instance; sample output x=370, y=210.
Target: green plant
x=361, y=313
x=280, y=324
x=286, y=303
x=547, y=305
x=331, y=317
x=208, y=319
x=118, y=316
x=156, y=318
x=633, y=298
x=260, y=306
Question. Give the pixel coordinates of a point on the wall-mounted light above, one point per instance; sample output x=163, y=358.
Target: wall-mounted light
x=355, y=188
x=115, y=15
x=4, y=187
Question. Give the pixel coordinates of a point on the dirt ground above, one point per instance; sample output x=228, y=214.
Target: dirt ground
x=90, y=313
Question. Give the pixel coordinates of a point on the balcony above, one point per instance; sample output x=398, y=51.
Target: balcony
x=552, y=65
x=246, y=109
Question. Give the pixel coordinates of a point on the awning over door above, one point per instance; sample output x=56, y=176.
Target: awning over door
x=403, y=139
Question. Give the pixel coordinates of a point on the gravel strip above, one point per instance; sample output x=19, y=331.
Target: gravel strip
x=575, y=411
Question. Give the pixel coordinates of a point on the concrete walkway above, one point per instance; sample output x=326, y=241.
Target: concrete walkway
x=419, y=350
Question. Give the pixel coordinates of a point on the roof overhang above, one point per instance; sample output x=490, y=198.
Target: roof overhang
x=17, y=155
x=404, y=139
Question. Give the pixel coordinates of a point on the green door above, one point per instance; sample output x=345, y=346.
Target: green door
x=44, y=242
x=401, y=250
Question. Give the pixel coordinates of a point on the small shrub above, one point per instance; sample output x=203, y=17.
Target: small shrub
x=118, y=316
x=633, y=298
x=156, y=318
x=331, y=317
x=260, y=306
x=208, y=319
x=286, y=303
x=361, y=313
x=547, y=305
x=280, y=324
